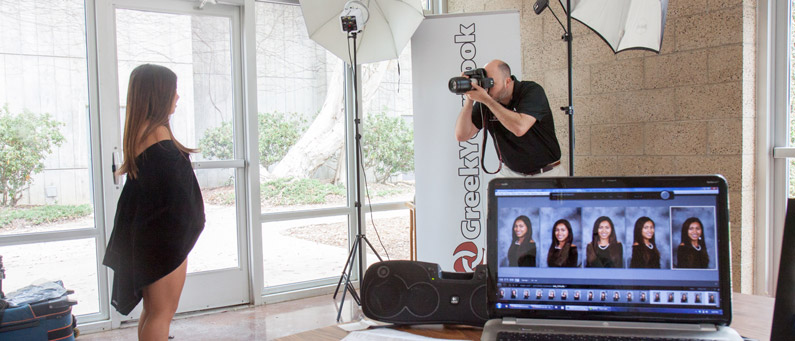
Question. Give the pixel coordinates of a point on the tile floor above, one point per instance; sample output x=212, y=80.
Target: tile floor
x=266, y=322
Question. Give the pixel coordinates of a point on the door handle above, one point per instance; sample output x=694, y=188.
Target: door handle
x=115, y=156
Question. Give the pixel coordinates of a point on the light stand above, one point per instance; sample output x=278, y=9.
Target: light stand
x=539, y=7
x=357, y=243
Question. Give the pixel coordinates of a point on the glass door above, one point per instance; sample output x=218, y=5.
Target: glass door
x=51, y=214
x=202, y=46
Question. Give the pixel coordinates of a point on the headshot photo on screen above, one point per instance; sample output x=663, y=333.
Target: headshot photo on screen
x=518, y=236
x=693, y=237
x=603, y=230
x=640, y=251
x=566, y=252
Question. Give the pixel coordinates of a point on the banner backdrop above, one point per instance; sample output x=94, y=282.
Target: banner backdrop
x=450, y=184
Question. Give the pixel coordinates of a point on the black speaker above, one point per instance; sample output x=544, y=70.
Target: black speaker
x=410, y=292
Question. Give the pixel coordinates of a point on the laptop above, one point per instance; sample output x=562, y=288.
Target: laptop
x=621, y=257
x=783, y=327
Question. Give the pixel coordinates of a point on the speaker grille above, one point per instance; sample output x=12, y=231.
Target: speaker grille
x=424, y=299
x=386, y=298
x=478, y=302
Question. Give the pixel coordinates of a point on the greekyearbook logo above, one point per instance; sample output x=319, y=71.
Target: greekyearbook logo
x=467, y=255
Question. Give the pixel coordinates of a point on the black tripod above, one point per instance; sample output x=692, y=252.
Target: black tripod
x=356, y=248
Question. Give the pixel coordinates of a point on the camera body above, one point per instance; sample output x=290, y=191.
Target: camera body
x=460, y=85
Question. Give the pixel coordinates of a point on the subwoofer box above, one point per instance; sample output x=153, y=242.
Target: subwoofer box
x=411, y=292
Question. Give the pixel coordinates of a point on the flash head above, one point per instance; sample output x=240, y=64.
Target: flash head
x=354, y=16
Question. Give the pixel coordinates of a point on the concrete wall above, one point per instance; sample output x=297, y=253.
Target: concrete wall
x=688, y=110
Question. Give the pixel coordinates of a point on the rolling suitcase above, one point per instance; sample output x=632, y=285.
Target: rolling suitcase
x=48, y=320
x=44, y=318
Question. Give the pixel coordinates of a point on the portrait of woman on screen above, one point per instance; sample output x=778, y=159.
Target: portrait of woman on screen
x=523, y=248
x=692, y=251
x=604, y=250
x=644, y=249
x=562, y=252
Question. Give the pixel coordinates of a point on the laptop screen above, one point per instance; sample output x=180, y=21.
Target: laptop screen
x=627, y=248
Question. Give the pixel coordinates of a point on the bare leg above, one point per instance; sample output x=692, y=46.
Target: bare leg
x=141, y=322
x=161, y=299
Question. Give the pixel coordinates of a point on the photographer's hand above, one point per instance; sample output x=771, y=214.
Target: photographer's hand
x=516, y=123
x=479, y=94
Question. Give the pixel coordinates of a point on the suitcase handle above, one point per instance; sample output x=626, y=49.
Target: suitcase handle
x=13, y=327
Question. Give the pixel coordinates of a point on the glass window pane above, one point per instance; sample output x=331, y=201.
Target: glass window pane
x=217, y=247
x=198, y=50
x=388, y=129
x=301, y=116
x=44, y=116
x=791, y=103
x=73, y=262
x=791, y=177
x=392, y=231
x=304, y=249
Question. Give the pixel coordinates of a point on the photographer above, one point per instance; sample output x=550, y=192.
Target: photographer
x=520, y=120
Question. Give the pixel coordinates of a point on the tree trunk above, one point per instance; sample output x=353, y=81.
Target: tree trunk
x=325, y=136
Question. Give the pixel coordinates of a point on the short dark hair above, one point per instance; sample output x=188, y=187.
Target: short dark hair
x=505, y=69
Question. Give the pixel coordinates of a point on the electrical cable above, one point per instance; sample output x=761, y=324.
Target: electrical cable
x=370, y=204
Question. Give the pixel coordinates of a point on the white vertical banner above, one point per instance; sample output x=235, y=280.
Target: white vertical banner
x=451, y=186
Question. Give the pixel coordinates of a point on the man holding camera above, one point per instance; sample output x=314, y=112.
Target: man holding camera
x=518, y=116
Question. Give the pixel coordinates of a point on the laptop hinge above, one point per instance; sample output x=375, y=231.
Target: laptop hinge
x=508, y=320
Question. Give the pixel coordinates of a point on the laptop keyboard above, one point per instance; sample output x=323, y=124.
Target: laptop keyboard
x=511, y=336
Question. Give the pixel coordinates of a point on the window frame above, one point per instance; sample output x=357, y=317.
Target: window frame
x=773, y=151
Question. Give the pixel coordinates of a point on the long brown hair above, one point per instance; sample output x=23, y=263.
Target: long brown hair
x=150, y=94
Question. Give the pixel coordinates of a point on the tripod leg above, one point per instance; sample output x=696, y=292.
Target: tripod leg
x=348, y=285
x=372, y=248
x=350, y=259
x=354, y=294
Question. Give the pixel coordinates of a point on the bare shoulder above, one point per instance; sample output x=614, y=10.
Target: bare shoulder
x=160, y=134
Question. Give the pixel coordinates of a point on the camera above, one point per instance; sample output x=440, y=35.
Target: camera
x=460, y=85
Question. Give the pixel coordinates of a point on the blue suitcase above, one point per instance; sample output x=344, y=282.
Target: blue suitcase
x=48, y=320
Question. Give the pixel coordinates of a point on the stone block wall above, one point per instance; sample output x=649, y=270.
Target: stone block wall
x=688, y=110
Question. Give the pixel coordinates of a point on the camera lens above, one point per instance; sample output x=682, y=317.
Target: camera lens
x=459, y=85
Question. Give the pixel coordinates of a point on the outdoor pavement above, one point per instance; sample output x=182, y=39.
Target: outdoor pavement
x=286, y=259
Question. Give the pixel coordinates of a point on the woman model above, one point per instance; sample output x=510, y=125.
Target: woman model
x=523, y=249
x=604, y=250
x=160, y=212
x=692, y=251
x=644, y=249
x=562, y=253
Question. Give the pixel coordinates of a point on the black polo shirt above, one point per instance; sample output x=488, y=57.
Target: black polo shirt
x=535, y=149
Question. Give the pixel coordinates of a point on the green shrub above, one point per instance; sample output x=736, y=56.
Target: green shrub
x=289, y=191
x=217, y=142
x=388, y=146
x=277, y=133
x=37, y=215
x=25, y=140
